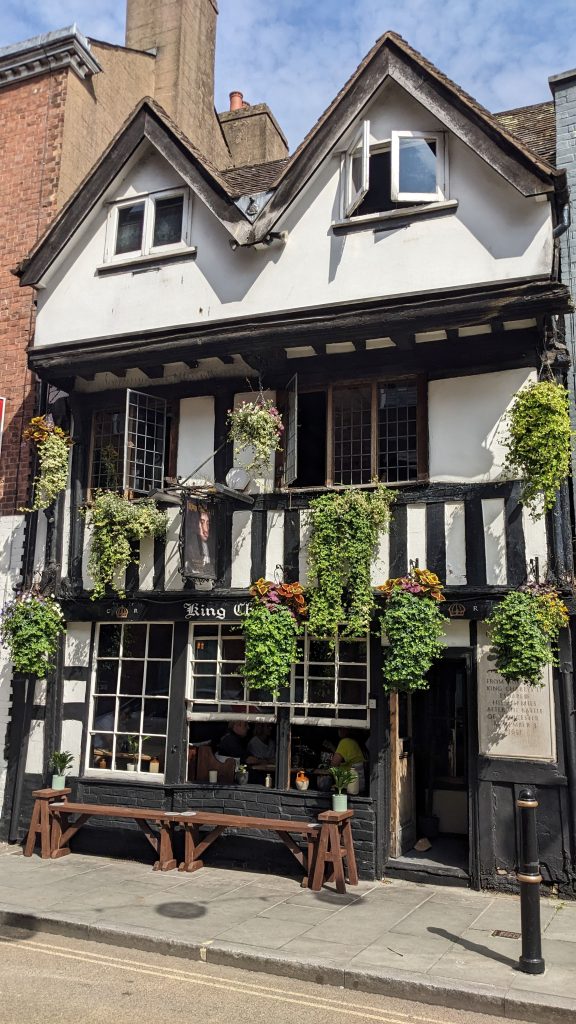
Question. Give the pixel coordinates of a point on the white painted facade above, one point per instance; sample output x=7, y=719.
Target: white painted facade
x=495, y=234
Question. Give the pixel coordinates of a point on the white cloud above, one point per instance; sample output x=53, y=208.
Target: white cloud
x=295, y=55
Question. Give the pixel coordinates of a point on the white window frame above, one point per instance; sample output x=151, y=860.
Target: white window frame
x=440, y=192
x=360, y=147
x=89, y=769
x=267, y=708
x=149, y=199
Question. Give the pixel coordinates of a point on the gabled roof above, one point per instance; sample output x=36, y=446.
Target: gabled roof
x=391, y=58
x=535, y=126
x=149, y=121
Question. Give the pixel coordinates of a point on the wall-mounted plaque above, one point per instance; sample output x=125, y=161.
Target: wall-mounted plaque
x=515, y=720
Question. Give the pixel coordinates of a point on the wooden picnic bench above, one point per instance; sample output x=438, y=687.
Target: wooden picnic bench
x=329, y=849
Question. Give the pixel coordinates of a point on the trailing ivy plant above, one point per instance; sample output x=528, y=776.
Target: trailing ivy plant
x=539, y=443
x=414, y=627
x=258, y=426
x=53, y=446
x=345, y=528
x=524, y=630
x=271, y=629
x=116, y=522
x=29, y=628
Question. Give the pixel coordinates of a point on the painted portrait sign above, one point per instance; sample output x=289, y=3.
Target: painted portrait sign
x=199, y=541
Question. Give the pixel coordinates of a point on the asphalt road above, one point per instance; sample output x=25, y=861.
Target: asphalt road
x=47, y=979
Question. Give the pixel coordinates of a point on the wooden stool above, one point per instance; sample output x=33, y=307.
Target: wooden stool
x=40, y=821
x=334, y=846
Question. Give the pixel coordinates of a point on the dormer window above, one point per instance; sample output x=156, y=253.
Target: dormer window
x=404, y=171
x=150, y=225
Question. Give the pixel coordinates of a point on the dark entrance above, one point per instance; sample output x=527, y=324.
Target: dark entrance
x=434, y=792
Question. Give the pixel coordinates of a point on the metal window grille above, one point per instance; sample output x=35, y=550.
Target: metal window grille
x=130, y=696
x=145, y=440
x=352, y=435
x=397, y=432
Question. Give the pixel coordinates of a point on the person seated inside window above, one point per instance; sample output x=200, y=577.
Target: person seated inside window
x=262, y=746
x=348, y=753
x=233, y=742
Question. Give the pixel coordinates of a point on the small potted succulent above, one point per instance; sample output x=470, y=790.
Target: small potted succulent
x=241, y=774
x=343, y=777
x=59, y=764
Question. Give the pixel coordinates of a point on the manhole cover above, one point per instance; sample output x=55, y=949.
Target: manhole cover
x=506, y=935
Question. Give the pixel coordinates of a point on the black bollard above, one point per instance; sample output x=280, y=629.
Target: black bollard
x=529, y=878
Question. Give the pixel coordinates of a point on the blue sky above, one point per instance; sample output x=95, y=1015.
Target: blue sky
x=296, y=54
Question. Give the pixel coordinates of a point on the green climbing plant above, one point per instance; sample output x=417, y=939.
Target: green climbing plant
x=271, y=629
x=345, y=527
x=53, y=447
x=414, y=627
x=117, y=522
x=524, y=630
x=29, y=628
x=539, y=443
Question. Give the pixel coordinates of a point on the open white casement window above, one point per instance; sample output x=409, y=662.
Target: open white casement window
x=149, y=225
x=418, y=172
x=357, y=170
x=128, y=445
x=407, y=169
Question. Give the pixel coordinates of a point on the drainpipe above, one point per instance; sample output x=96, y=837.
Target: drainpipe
x=564, y=224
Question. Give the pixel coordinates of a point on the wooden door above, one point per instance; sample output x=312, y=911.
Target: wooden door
x=403, y=795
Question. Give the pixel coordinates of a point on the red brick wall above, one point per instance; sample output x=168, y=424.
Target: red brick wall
x=31, y=125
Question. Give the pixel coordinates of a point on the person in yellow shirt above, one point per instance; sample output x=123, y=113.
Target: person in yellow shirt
x=349, y=753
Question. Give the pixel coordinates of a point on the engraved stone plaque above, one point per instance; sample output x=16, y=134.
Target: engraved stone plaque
x=515, y=720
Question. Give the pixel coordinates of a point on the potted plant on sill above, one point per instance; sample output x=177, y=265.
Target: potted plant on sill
x=59, y=764
x=241, y=774
x=343, y=777
x=133, y=745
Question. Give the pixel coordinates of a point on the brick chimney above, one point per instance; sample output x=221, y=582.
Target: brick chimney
x=183, y=33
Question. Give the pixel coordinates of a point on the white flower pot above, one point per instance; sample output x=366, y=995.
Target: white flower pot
x=58, y=781
x=130, y=767
x=339, y=802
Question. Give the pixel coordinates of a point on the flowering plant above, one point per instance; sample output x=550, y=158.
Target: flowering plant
x=53, y=445
x=29, y=628
x=414, y=626
x=256, y=425
x=271, y=629
x=524, y=630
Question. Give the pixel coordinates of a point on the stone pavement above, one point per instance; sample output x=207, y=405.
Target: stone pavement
x=420, y=942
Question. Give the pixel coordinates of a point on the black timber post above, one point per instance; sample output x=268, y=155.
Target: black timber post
x=176, y=739
x=380, y=746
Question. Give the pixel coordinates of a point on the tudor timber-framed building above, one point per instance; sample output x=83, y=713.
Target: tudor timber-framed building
x=398, y=275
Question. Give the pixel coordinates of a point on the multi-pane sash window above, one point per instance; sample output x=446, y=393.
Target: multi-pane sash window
x=129, y=700
x=128, y=445
x=374, y=433
x=329, y=685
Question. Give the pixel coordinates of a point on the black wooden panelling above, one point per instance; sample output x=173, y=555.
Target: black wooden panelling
x=258, y=565
x=475, y=550
x=73, y=711
x=76, y=673
x=436, y=539
x=159, y=568
x=291, y=545
x=515, y=543
x=176, y=744
x=399, y=541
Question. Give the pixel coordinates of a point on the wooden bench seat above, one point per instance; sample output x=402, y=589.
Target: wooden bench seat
x=195, y=843
x=328, y=840
x=63, y=829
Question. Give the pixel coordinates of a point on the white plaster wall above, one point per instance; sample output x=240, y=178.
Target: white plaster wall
x=456, y=633
x=494, y=519
x=11, y=551
x=380, y=567
x=495, y=235
x=535, y=541
x=146, y=566
x=416, y=526
x=172, y=577
x=455, y=537
x=263, y=479
x=305, y=531
x=241, y=549
x=274, y=543
x=196, y=438
x=72, y=742
x=35, y=754
x=467, y=425
x=77, y=644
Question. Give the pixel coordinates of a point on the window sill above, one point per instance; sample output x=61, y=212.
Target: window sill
x=152, y=778
x=394, y=218
x=139, y=264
